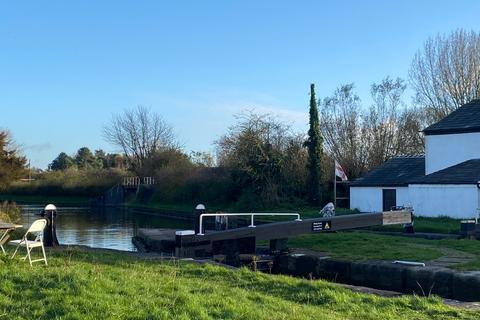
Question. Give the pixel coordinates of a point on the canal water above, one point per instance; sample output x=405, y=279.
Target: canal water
x=111, y=228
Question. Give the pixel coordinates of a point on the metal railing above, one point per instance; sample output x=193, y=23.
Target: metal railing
x=252, y=217
x=136, y=181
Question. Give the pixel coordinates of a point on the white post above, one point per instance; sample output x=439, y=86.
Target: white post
x=252, y=224
x=477, y=217
x=334, y=185
x=200, y=229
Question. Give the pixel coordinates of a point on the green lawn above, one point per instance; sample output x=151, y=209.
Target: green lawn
x=426, y=224
x=86, y=285
x=371, y=246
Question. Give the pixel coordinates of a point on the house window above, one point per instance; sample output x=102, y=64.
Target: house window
x=389, y=199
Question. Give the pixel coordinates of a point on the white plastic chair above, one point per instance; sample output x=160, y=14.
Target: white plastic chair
x=37, y=229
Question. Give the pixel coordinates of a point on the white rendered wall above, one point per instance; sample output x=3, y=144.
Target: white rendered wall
x=370, y=199
x=403, y=197
x=455, y=201
x=446, y=150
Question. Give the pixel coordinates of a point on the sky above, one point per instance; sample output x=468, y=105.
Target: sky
x=67, y=66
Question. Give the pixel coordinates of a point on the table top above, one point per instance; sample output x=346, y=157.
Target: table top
x=5, y=225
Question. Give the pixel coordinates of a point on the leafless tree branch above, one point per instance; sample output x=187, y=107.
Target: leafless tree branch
x=139, y=133
x=446, y=72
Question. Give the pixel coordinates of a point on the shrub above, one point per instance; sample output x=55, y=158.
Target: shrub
x=267, y=160
x=70, y=182
x=9, y=212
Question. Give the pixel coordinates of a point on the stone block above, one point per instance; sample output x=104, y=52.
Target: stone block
x=466, y=286
x=333, y=270
x=306, y=265
x=378, y=274
x=429, y=280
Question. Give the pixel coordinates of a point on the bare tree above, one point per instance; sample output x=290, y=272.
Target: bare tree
x=382, y=121
x=446, y=72
x=140, y=133
x=410, y=137
x=361, y=139
x=341, y=124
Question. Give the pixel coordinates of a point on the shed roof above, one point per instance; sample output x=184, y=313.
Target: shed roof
x=463, y=120
x=467, y=172
x=395, y=172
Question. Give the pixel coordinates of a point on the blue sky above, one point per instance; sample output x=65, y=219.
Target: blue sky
x=67, y=66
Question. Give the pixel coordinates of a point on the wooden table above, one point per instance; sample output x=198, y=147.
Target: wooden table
x=5, y=230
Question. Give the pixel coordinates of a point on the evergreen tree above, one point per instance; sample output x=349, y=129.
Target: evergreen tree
x=86, y=160
x=315, y=153
x=12, y=164
x=61, y=162
x=101, y=159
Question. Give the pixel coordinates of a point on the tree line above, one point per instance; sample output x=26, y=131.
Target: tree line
x=84, y=159
x=261, y=162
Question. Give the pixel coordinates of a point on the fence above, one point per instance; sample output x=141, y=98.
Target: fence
x=136, y=181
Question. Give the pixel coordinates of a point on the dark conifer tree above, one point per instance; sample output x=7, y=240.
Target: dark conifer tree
x=315, y=153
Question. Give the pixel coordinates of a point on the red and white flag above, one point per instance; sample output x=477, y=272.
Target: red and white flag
x=339, y=172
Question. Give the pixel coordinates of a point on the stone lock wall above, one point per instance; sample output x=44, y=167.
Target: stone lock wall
x=446, y=283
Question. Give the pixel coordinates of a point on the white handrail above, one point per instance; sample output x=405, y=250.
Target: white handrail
x=252, y=217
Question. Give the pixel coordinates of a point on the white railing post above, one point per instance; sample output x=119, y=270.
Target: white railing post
x=252, y=222
x=200, y=228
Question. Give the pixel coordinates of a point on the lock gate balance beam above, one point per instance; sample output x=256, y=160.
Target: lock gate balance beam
x=243, y=240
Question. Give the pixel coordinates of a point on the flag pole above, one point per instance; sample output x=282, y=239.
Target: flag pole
x=334, y=184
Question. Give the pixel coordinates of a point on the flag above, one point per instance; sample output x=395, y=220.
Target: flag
x=339, y=172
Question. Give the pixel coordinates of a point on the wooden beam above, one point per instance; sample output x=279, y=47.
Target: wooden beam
x=396, y=217
x=287, y=229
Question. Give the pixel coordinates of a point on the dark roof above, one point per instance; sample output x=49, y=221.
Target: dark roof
x=465, y=119
x=467, y=172
x=398, y=171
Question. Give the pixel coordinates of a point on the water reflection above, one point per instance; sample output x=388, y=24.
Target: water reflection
x=111, y=228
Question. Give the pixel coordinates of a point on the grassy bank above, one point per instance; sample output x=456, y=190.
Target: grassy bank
x=304, y=210
x=187, y=208
x=428, y=224
x=40, y=199
x=86, y=285
x=370, y=246
x=70, y=182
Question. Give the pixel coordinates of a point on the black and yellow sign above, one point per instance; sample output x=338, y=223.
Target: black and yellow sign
x=321, y=226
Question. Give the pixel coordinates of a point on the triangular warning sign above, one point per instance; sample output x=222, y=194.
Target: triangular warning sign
x=327, y=226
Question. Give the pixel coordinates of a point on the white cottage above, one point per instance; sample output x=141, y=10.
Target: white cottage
x=443, y=183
